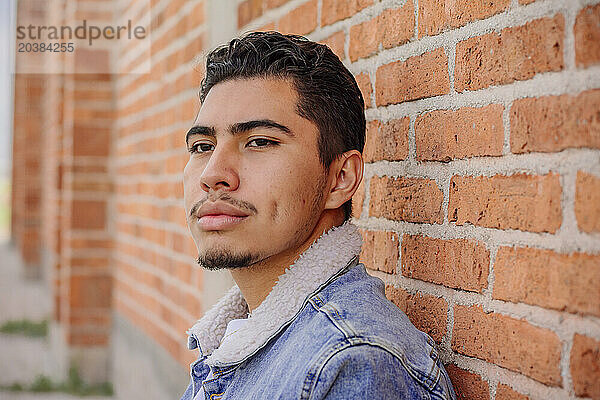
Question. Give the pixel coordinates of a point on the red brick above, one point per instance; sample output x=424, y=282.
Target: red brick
x=274, y=3
x=445, y=134
x=248, y=11
x=456, y=263
x=87, y=243
x=564, y=282
x=380, y=251
x=336, y=43
x=92, y=60
x=336, y=10
x=587, y=36
x=89, y=261
x=196, y=16
x=82, y=318
x=301, y=20
x=554, y=123
x=467, y=385
x=92, y=94
x=387, y=141
x=87, y=339
x=389, y=29
x=363, y=80
x=436, y=16
x=587, y=202
x=507, y=342
x=504, y=392
x=406, y=199
x=516, y=54
x=428, y=313
x=416, y=78
x=524, y=202
x=88, y=214
x=90, y=291
x=90, y=141
x=85, y=186
x=585, y=366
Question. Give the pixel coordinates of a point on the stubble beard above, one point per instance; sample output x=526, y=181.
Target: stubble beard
x=217, y=259
x=214, y=260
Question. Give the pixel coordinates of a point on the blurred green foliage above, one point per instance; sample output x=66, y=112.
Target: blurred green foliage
x=25, y=327
x=4, y=205
x=74, y=385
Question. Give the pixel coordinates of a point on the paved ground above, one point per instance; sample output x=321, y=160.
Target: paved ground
x=22, y=359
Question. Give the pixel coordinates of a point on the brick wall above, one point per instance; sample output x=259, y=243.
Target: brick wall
x=156, y=281
x=479, y=206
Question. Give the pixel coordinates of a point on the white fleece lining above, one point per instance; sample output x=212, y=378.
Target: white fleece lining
x=325, y=257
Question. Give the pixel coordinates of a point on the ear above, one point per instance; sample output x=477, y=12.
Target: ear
x=346, y=173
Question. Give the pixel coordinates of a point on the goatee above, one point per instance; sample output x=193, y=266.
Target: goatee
x=216, y=260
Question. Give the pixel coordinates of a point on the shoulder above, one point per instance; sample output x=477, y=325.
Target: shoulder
x=363, y=330
x=365, y=371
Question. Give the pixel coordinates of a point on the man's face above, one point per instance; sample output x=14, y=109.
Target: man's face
x=253, y=186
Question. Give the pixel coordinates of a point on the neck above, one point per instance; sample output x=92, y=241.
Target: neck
x=256, y=281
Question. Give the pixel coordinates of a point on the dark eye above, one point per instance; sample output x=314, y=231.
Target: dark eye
x=261, y=142
x=201, y=147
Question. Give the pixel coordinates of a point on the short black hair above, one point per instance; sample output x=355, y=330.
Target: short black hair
x=328, y=94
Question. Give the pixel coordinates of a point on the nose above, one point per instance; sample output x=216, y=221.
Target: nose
x=221, y=171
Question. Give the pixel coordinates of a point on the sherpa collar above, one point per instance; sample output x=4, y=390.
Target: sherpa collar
x=313, y=269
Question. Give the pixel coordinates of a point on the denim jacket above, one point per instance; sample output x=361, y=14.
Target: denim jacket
x=325, y=331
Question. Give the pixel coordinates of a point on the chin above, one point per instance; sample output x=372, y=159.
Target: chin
x=222, y=258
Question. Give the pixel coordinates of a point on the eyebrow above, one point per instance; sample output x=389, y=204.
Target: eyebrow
x=239, y=128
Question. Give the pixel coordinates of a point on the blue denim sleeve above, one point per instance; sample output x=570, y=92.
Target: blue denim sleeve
x=367, y=372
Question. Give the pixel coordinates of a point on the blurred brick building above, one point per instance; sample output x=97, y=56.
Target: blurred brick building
x=480, y=207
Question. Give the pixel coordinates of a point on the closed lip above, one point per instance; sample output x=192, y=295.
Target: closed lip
x=220, y=209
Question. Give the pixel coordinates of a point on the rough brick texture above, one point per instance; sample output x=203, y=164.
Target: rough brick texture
x=587, y=202
x=536, y=276
x=389, y=29
x=585, y=366
x=406, y=199
x=336, y=10
x=467, y=132
x=380, y=251
x=520, y=201
x=436, y=16
x=387, y=141
x=301, y=20
x=467, y=385
x=515, y=54
x=427, y=313
x=587, y=36
x=457, y=263
x=418, y=77
x=507, y=342
x=249, y=10
x=505, y=392
x=554, y=123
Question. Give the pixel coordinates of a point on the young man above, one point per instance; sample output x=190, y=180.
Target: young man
x=275, y=157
